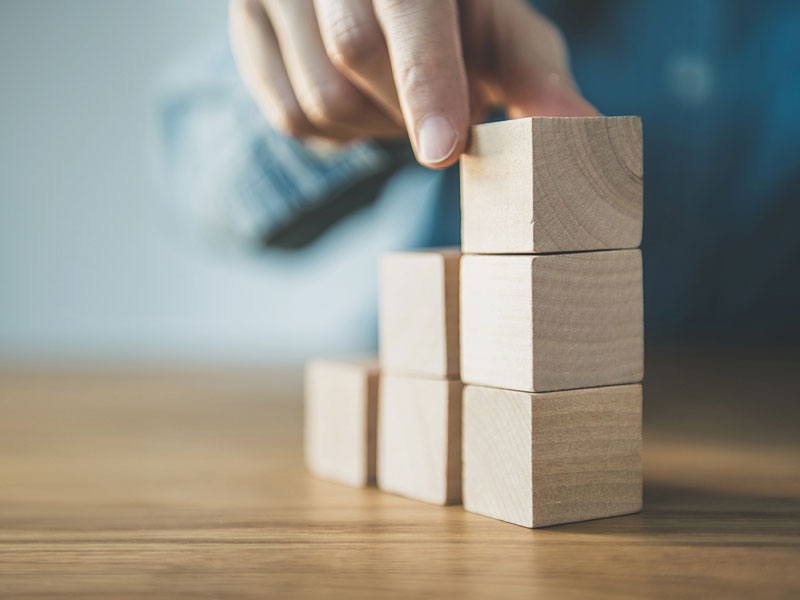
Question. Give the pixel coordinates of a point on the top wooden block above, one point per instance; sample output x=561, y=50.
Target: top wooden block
x=552, y=184
x=418, y=313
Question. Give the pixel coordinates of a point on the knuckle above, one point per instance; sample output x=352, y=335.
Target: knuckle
x=416, y=79
x=245, y=8
x=332, y=104
x=289, y=122
x=393, y=8
x=279, y=106
x=351, y=45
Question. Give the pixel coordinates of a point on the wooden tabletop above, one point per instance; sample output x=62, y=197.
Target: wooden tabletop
x=142, y=483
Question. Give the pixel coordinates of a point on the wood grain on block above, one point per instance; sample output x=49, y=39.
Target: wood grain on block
x=418, y=324
x=557, y=457
x=552, y=184
x=419, y=438
x=340, y=420
x=552, y=322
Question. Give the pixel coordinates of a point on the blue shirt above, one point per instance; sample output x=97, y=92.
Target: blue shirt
x=718, y=86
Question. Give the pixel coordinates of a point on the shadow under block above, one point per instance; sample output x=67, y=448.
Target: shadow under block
x=418, y=314
x=419, y=438
x=539, y=323
x=340, y=420
x=552, y=184
x=543, y=459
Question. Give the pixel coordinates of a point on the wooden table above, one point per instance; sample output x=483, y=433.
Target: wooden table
x=154, y=484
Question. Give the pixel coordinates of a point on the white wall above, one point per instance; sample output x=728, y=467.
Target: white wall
x=89, y=269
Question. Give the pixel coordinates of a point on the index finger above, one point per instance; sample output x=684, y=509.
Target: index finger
x=424, y=43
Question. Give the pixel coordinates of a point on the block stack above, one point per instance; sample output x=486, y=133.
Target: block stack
x=542, y=320
x=419, y=405
x=552, y=348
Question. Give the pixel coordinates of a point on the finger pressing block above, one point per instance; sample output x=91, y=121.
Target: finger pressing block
x=340, y=420
x=552, y=184
x=543, y=459
x=419, y=438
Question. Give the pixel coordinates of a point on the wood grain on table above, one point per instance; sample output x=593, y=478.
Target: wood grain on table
x=142, y=483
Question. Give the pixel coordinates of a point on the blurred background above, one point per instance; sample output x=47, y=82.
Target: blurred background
x=92, y=265
x=101, y=261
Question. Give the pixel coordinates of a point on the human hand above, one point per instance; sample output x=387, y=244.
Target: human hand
x=347, y=69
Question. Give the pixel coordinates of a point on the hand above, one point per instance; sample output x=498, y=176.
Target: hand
x=346, y=69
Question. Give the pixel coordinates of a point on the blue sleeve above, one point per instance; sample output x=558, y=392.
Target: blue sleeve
x=233, y=177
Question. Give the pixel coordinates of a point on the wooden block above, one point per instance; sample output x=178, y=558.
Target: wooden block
x=340, y=420
x=552, y=184
x=418, y=324
x=419, y=438
x=552, y=322
x=558, y=457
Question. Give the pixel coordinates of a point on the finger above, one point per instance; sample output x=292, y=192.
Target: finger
x=480, y=99
x=261, y=66
x=355, y=45
x=424, y=45
x=332, y=104
x=526, y=63
x=537, y=78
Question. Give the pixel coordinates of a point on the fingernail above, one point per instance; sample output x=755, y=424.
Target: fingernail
x=436, y=138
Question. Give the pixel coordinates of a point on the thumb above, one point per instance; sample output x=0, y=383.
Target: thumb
x=424, y=43
x=550, y=96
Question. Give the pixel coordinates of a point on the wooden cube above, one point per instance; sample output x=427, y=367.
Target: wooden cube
x=552, y=322
x=419, y=438
x=543, y=459
x=340, y=420
x=552, y=184
x=418, y=316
